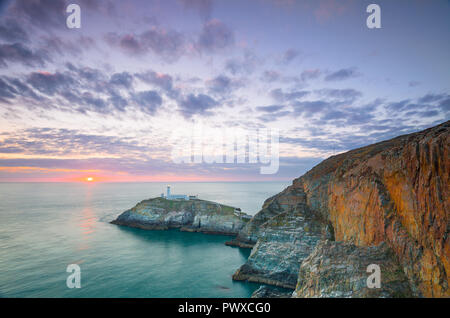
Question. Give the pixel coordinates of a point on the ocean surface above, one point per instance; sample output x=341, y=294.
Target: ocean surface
x=44, y=227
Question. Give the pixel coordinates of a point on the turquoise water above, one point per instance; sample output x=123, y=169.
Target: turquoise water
x=44, y=227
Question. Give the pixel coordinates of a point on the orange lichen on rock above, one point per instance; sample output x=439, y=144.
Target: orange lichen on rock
x=396, y=192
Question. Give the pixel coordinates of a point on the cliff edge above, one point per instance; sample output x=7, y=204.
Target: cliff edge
x=388, y=202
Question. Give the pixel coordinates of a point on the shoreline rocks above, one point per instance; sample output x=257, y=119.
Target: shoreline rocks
x=265, y=291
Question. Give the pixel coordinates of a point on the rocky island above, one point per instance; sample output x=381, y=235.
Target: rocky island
x=193, y=215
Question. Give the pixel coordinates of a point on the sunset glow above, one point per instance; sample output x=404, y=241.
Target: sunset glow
x=102, y=103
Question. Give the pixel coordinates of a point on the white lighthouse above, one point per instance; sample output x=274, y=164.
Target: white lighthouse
x=170, y=196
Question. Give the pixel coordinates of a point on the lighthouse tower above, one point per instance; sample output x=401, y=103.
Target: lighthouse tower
x=171, y=196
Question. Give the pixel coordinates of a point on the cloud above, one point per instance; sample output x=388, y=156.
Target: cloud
x=88, y=74
x=41, y=13
x=168, y=44
x=84, y=102
x=171, y=44
x=203, y=7
x=329, y=8
x=118, y=101
x=6, y=91
x=42, y=50
x=430, y=98
x=398, y=106
x=79, y=89
x=444, y=104
x=340, y=108
x=270, y=76
x=348, y=95
x=200, y=104
x=271, y=117
x=290, y=55
x=307, y=75
x=337, y=110
x=123, y=79
x=11, y=31
x=54, y=45
x=161, y=80
x=93, y=103
x=22, y=89
x=65, y=142
x=429, y=113
x=279, y=95
x=272, y=113
x=245, y=65
x=215, y=36
x=270, y=109
x=126, y=167
x=332, y=141
x=223, y=84
x=311, y=107
x=127, y=42
x=149, y=101
x=49, y=83
x=48, y=14
x=342, y=74
x=18, y=53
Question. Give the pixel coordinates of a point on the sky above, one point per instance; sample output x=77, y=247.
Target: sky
x=109, y=100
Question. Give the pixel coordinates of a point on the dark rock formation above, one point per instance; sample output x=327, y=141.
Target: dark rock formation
x=336, y=269
x=284, y=241
x=271, y=292
x=193, y=216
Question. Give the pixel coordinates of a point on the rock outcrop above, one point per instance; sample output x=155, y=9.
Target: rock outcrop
x=284, y=241
x=336, y=269
x=193, y=216
x=265, y=291
x=394, y=192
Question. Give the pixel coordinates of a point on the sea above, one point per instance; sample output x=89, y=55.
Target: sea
x=45, y=227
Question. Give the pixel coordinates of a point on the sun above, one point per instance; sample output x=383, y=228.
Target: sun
x=89, y=179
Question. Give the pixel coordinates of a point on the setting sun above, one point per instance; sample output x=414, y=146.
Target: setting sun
x=89, y=179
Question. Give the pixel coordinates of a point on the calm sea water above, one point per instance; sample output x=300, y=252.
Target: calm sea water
x=44, y=227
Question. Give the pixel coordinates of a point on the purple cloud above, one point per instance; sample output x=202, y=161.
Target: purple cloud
x=342, y=74
x=200, y=104
x=214, y=36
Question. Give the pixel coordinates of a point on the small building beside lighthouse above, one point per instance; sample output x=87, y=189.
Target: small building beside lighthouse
x=170, y=196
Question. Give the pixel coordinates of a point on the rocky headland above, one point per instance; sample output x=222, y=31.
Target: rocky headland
x=187, y=215
x=384, y=204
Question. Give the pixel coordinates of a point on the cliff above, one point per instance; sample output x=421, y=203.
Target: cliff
x=283, y=242
x=394, y=193
x=193, y=215
x=336, y=269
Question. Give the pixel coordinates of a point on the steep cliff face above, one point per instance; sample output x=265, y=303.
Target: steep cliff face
x=193, y=216
x=285, y=201
x=395, y=192
x=336, y=269
x=284, y=241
